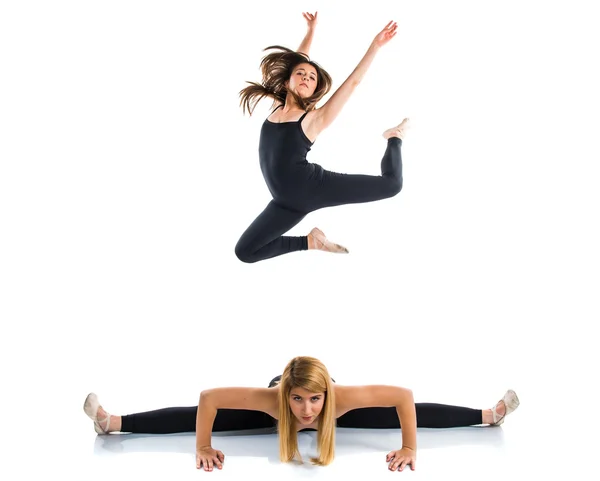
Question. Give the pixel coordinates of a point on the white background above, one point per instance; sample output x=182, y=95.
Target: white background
x=128, y=172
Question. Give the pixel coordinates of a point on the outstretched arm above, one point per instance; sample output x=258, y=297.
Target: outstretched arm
x=325, y=115
x=311, y=21
x=356, y=397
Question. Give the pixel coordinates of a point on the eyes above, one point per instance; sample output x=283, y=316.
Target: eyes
x=313, y=399
x=312, y=77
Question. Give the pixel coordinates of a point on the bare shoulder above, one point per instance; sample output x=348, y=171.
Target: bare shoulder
x=251, y=398
x=372, y=395
x=313, y=124
x=275, y=112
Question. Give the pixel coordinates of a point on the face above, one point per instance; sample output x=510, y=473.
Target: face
x=306, y=405
x=303, y=80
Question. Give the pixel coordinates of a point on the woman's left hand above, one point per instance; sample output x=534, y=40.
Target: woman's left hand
x=311, y=19
x=386, y=34
x=399, y=459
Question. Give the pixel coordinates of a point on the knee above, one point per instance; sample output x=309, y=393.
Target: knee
x=395, y=186
x=244, y=254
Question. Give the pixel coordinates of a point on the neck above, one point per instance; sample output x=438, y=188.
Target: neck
x=291, y=104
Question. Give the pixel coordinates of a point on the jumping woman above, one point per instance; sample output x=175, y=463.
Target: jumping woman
x=298, y=187
x=304, y=397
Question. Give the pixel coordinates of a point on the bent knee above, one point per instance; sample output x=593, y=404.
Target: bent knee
x=395, y=186
x=244, y=254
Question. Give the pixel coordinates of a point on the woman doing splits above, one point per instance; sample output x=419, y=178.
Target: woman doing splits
x=298, y=187
x=304, y=397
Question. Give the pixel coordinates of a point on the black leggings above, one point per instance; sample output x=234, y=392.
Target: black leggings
x=264, y=238
x=183, y=419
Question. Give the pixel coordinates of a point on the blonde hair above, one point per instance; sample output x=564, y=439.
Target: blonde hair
x=310, y=374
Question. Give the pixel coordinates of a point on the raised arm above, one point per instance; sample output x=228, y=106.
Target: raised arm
x=311, y=21
x=254, y=399
x=356, y=397
x=326, y=114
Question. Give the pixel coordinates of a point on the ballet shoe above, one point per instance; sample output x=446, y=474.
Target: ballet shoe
x=398, y=130
x=323, y=244
x=90, y=407
x=511, y=402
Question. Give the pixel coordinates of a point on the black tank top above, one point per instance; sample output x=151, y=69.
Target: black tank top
x=282, y=150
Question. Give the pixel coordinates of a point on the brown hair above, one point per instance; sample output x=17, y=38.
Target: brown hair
x=276, y=69
x=310, y=374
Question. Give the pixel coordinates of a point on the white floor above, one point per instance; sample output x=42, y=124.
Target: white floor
x=128, y=173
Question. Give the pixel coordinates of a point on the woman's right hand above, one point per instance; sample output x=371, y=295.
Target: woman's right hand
x=207, y=456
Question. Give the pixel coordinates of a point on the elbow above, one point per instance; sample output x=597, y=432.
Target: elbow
x=205, y=396
x=407, y=395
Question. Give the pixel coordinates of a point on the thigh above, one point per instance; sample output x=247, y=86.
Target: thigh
x=271, y=223
x=241, y=419
x=338, y=188
x=370, y=418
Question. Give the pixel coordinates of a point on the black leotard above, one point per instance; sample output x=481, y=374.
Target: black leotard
x=282, y=151
x=299, y=187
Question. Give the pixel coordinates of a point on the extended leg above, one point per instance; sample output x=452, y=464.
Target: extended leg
x=337, y=188
x=429, y=415
x=172, y=419
x=432, y=415
x=183, y=419
x=263, y=239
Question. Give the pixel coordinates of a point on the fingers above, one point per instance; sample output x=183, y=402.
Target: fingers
x=398, y=463
x=209, y=463
x=391, y=26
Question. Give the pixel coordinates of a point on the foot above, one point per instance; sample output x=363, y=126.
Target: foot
x=97, y=414
x=505, y=406
x=398, y=130
x=317, y=240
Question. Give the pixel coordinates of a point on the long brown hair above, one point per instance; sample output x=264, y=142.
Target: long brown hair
x=310, y=374
x=276, y=69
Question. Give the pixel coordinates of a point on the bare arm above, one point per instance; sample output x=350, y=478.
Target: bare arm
x=325, y=115
x=311, y=21
x=255, y=399
x=355, y=397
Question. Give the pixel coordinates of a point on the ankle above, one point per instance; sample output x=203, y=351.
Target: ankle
x=115, y=424
x=487, y=416
x=108, y=422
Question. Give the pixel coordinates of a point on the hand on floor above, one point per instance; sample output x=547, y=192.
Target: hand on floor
x=207, y=456
x=401, y=458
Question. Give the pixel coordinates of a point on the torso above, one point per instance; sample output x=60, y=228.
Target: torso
x=285, y=140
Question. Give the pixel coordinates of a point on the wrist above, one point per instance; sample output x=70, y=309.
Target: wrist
x=408, y=447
